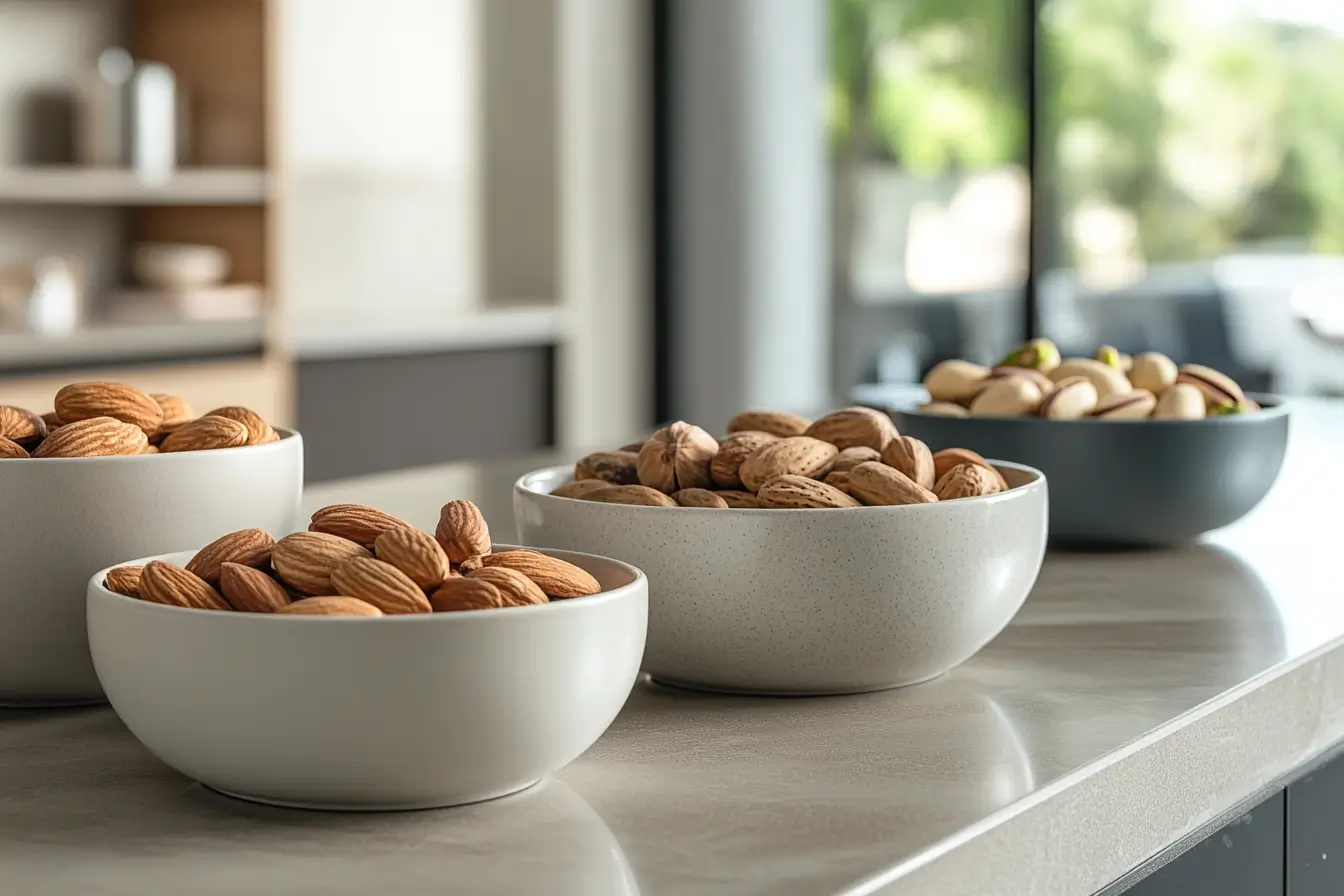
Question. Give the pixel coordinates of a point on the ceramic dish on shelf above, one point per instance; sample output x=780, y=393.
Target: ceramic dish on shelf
x=816, y=601
x=1122, y=482
x=358, y=713
x=65, y=518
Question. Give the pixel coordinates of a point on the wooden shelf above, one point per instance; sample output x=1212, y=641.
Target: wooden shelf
x=111, y=186
x=99, y=343
x=486, y=328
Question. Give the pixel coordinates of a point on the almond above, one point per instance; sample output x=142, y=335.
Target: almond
x=613, y=467
x=739, y=499
x=913, y=458
x=839, y=479
x=124, y=580
x=733, y=451
x=81, y=401
x=801, y=492
x=699, y=497
x=950, y=457
x=854, y=426
x=776, y=423
x=630, y=494
x=21, y=426
x=249, y=590
x=381, y=584
x=94, y=437
x=462, y=531
x=330, y=606
x=877, y=484
x=795, y=456
x=415, y=553
x=175, y=410
x=304, y=560
x=259, y=432
x=164, y=583
x=206, y=434
x=518, y=590
x=459, y=594
x=851, y=457
x=555, y=577
x=10, y=449
x=580, y=487
x=248, y=547
x=51, y=419
x=966, y=481
x=677, y=457
x=354, y=522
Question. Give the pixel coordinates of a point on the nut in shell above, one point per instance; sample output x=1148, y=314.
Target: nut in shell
x=954, y=380
x=776, y=423
x=912, y=457
x=943, y=409
x=1107, y=380
x=1219, y=390
x=580, y=488
x=1038, y=354
x=801, y=493
x=613, y=467
x=966, y=481
x=852, y=457
x=877, y=484
x=1071, y=398
x=1136, y=405
x=854, y=427
x=797, y=456
x=640, y=495
x=733, y=451
x=1152, y=371
x=677, y=457
x=1181, y=401
x=1009, y=397
x=1043, y=382
x=699, y=497
x=950, y=457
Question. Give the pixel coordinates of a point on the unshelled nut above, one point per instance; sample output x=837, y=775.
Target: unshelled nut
x=248, y=547
x=21, y=426
x=877, y=484
x=354, y=522
x=1219, y=390
x=776, y=423
x=640, y=495
x=612, y=467
x=1136, y=405
x=557, y=578
x=124, y=580
x=94, y=437
x=259, y=432
x=249, y=590
x=205, y=434
x=699, y=497
x=1008, y=397
x=82, y=401
x=1107, y=380
x=379, y=584
x=1038, y=354
x=733, y=450
x=1180, y=401
x=966, y=481
x=797, y=456
x=415, y=553
x=854, y=427
x=518, y=589
x=1071, y=398
x=305, y=560
x=175, y=411
x=462, y=531
x=459, y=594
x=329, y=606
x=1152, y=371
x=912, y=457
x=164, y=583
x=677, y=457
x=11, y=450
x=954, y=380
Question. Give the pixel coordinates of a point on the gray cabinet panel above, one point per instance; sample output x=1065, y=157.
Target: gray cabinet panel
x=368, y=415
x=1316, y=832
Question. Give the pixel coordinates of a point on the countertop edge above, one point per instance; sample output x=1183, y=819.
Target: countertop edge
x=1091, y=826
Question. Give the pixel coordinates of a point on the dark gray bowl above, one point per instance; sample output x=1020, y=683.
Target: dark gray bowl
x=1134, y=483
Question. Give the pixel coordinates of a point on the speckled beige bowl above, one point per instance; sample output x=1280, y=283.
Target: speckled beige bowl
x=810, y=601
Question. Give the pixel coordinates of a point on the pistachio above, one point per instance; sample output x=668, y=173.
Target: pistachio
x=1218, y=388
x=1136, y=405
x=1012, y=396
x=1126, y=363
x=1153, y=371
x=954, y=380
x=1110, y=356
x=1180, y=402
x=1038, y=354
x=1072, y=397
x=1043, y=382
x=1107, y=380
x=944, y=409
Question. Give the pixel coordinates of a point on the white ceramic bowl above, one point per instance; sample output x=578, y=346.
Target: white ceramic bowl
x=810, y=601
x=63, y=518
x=179, y=265
x=400, y=712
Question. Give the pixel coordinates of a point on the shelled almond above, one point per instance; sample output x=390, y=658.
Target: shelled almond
x=108, y=419
x=1034, y=381
x=851, y=457
x=330, y=571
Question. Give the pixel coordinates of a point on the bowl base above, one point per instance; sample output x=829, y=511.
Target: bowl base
x=682, y=685
x=318, y=806
x=50, y=702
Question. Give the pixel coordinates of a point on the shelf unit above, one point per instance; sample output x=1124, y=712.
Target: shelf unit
x=111, y=186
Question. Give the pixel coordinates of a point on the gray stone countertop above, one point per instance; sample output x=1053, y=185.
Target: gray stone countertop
x=1137, y=697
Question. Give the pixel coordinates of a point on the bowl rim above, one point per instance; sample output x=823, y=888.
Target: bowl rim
x=97, y=591
x=522, y=486
x=1272, y=407
x=288, y=437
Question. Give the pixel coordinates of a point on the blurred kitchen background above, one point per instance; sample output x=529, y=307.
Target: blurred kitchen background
x=426, y=230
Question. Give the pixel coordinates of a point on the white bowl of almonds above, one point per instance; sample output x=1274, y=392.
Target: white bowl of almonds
x=113, y=473
x=367, y=665
x=802, y=557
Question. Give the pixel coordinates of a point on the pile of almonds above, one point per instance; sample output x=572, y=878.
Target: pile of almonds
x=848, y=458
x=358, y=561
x=1034, y=381
x=106, y=419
